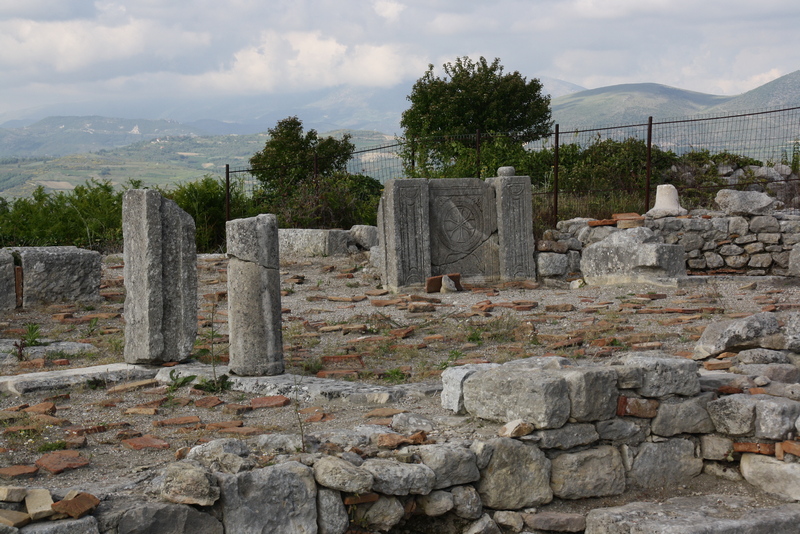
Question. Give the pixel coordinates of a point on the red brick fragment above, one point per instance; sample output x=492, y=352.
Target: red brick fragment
x=757, y=448
x=18, y=471
x=272, y=401
x=145, y=442
x=59, y=461
x=78, y=506
x=178, y=421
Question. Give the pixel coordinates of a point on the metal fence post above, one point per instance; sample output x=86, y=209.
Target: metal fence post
x=227, y=192
x=555, y=180
x=649, y=164
x=478, y=150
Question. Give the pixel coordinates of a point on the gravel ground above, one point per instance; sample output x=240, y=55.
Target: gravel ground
x=590, y=323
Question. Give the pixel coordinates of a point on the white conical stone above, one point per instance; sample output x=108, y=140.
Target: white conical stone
x=667, y=203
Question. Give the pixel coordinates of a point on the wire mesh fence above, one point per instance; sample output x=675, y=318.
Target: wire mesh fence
x=595, y=172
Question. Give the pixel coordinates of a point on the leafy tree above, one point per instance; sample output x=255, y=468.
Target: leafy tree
x=446, y=112
x=291, y=157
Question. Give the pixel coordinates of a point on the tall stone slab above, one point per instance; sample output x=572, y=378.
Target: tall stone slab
x=254, y=297
x=8, y=294
x=463, y=228
x=160, y=278
x=514, y=225
x=404, y=224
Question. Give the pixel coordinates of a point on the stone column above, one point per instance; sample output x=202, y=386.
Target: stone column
x=514, y=224
x=254, y=297
x=403, y=225
x=8, y=293
x=160, y=279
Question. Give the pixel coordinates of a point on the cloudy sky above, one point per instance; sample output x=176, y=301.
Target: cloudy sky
x=54, y=51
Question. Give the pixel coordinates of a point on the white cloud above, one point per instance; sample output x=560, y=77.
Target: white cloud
x=388, y=9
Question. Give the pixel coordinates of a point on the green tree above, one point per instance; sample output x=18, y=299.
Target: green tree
x=446, y=112
x=291, y=157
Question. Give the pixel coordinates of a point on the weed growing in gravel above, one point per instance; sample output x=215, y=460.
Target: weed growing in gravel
x=59, y=445
x=32, y=335
x=91, y=327
x=394, y=376
x=312, y=366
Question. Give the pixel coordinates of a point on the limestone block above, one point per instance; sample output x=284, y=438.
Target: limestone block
x=408, y=423
x=631, y=256
x=8, y=294
x=38, y=503
x=404, y=232
x=667, y=203
x=734, y=415
x=160, y=278
x=365, y=236
x=453, y=385
x=466, y=502
x=256, y=501
x=314, y=242
x=662, y=376
x=514, y=226
x=669, y=463
x=335, y=473
x=394, y=478
x=551, y=264
x=776, y=372
x=620, y=431
x=592, y=393
x=452, y=466
x=716, y=447
x=187, y=482
x=708, y=514
x=775, y=417
x=566, y=437
x=332, y=515
x=772, y=475
x=166, y=518
x=596, y=472
x=436, y=503
x=484, y=525
x=539, y=397
x=793, y=330
x=762, y=356
x=510, y=520
x=764, y=223
x=683, y=417
x=745, y=202
x=518, y=476
x=385, y=513
x=738, y=334
x=59, y=274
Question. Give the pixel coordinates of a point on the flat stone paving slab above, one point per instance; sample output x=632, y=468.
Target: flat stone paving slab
x=68, y=378
x=709, y=514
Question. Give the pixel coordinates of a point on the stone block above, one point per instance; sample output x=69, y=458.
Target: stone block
x=332, y=515
x=59, y=274
x=315, y=242
x=566, y=437
x=244, y=507
x=593, y=393
x=365, y=236
x=517, y=476
x=631, y=256
x=683, y=417
x=662, y=376
x=452, y=466
x=168, y=518
x=716, y=447
x=8, y=293
x=734, y=415
x=453, y=384
x=436, y=503
x=552, y=264
x=254, y=300
x=539, y=397
x=160, y=278
x=394, y=478
x=745, y=202
x=775, y=417
x=734, y=335
x=338, y=474
x=596, y=472
x=39, y=503
x=669, y=463
x=772, y=475
x=404, y=231
x=188, y=482
x=514, y=226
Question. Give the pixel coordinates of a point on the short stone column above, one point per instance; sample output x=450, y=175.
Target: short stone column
x=667, y=203
x=254, y=297
x=8, y=293
x=160, y=278
x=514, y=224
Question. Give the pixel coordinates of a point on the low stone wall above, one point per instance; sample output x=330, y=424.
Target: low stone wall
x=713, y=242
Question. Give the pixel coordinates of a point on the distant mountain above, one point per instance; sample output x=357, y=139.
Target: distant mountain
x=60, y=136
x=634, y=103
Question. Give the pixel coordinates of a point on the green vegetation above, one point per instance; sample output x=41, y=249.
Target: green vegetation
x=472, y=97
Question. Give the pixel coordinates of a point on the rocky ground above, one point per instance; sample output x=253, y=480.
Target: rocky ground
x=338, y=323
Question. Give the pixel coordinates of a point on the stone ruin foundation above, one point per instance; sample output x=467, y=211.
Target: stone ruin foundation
x=254, y=297
x=480, y=229
x=160, y=279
